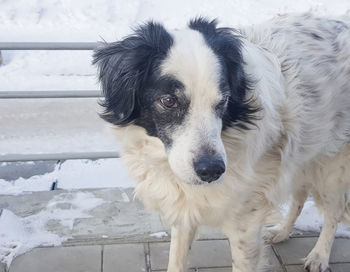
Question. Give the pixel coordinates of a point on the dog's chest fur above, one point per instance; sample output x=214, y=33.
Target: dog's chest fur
x=158, y=188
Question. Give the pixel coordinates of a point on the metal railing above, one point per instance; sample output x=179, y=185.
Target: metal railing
x=48, y=45
x=52, y=94
x=49, y=94
x=58, y=156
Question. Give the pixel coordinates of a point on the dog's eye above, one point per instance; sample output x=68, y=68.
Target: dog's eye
x=169, y=101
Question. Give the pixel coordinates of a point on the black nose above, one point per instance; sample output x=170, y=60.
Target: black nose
x=209, y=169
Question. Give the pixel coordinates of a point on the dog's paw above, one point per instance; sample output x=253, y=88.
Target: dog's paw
x=275, y=234
x=315, y=263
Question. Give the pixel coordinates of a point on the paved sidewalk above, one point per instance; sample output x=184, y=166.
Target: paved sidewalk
x=121, y=236
x=205, y=256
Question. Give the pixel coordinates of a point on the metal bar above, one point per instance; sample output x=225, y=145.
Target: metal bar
x=58, y=156
x=50, y=94
x=48, y=45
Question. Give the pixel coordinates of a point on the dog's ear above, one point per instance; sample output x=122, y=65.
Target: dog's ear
x=125, y=66
x=227, y=45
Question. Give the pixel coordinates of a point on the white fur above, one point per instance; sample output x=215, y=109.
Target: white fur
x=192, y=62
x=300, y=144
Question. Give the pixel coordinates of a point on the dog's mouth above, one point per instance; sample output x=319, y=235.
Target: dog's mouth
x=205, y=180
x=200, y=182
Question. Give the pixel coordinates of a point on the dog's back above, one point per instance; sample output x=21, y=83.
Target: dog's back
x=314, y=54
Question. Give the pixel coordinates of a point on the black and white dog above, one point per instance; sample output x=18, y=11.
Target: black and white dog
x=220, y=125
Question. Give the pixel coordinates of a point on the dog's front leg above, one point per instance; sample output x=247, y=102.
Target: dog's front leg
x=181, y=240
x=280, y=232
x=317, y=260
x=246, y=247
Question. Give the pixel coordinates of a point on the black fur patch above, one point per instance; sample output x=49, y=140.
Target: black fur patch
x=132, y=84
x=126, y=67
x=154, y=117
x=227, y=46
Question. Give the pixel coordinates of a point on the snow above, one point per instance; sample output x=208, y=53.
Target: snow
x=32, y=184
x=311, y=220
x=47, y=70
x=32, y=126
x=29, y=232
x=90, y=21
x=125, y=197
x=159, y=235
x=74, y=174
x=103, y=173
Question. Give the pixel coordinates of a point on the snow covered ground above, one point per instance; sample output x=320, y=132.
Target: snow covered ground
x=32, y=126
x=72, y=174
x=311, y=220
x=90, y=21
x=20, y=234
x=109, y=173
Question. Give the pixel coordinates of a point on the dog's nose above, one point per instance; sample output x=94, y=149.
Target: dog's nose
x=209, y=169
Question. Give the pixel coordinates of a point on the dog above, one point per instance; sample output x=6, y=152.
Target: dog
x=221, y=125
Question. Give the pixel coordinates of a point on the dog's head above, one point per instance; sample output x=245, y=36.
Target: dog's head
x=183, y=87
